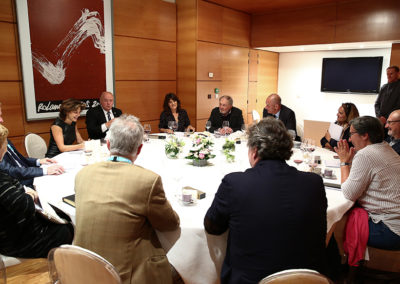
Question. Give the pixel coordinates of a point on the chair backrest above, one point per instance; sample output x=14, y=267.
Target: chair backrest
x=70, y=264
x=35, y=146
x=385, y=260
x=297, y=276
x=3, y=276
x=256, y=115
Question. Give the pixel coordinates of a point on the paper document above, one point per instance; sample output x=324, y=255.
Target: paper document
x=332, y=163
x=335, y=131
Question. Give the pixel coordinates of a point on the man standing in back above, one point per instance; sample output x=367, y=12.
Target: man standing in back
x=120, y=205
x=100, y=118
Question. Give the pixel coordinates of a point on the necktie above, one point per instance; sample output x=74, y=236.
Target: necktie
x=109, y=115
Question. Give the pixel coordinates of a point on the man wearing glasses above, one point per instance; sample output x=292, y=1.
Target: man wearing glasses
x=393, y=127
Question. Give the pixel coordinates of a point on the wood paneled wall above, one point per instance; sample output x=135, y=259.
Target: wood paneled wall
x=395, y=55
x=348, y=21
x=145, y=65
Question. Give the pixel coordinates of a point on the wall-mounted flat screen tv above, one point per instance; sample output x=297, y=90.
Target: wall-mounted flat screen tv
x=351, y=74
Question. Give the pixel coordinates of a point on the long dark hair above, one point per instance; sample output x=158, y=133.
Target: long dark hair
x=171, y=96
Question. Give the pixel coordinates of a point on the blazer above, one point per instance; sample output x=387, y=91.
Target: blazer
x=95, y=118
x=287, y=116
x=118, y=208
x=24, y=174
x=235, y=119
x=274, y=225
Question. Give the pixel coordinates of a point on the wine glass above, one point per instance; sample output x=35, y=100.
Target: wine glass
x=170, y=124
x=292, y=133
x=174, y=126
x=225, y=126
x=208, y=125
x=243, y=128
x=147, y=131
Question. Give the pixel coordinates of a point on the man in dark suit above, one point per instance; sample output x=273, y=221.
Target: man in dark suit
x=393, y=127
x=274, y=107
x=276, y=215
x=26, y=169
x=226, y=112
x=100, y=118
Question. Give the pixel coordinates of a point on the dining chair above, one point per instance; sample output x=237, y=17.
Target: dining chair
x=256, y=116
x=35, y=146
x=297, y=276
x=3, y=276
x=69, y=264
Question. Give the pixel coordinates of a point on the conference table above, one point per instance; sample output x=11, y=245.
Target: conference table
x=196, y=255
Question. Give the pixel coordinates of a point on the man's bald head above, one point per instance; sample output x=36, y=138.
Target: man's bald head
x=393, y=124
x=106, y=100
x=273, y=103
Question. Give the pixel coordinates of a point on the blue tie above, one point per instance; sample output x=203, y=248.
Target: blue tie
x=109, y=115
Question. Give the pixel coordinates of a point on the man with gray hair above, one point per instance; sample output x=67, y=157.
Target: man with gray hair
x=119, y=206
x=226, y=112
x=393, y=127
x=267, y=209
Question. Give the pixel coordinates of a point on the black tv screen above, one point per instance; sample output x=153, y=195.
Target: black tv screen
x=351, y=74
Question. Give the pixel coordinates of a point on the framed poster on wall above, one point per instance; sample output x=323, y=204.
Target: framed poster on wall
x=66, y=52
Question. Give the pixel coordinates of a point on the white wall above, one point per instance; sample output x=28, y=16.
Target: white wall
x=299, y=84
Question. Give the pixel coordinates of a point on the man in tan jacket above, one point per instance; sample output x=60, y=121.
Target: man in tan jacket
x=120, y=205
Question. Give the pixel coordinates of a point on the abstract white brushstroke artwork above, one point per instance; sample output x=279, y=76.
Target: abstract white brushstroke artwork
x=88, y=25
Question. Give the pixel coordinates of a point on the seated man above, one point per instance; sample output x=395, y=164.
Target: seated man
x=226, y=112
x=393, y=126
x=23, y=232
x=274, y=225
x=120, y=205
x=100, y=118
x=370, y=173
x=26, y=169
x=273, y=107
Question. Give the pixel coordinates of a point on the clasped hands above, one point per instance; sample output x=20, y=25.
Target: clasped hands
x=54, y=169
x=345, y=153
x=225, y=130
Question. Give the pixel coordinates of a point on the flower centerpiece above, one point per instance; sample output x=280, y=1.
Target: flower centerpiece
x=200, y=151
x=228, y=148
x=173, y=146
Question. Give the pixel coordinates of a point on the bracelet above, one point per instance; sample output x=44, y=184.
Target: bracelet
x=344, y=164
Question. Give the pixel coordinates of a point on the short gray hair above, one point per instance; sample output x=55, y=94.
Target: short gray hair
x=125, y=135
x=228, y=98
x=271, y=139
x=370, y=125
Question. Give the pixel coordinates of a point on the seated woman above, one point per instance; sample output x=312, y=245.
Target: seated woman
x=23, y=233
x=346, y=113
x=64, y=132
x=370, y=174
x=173, y=112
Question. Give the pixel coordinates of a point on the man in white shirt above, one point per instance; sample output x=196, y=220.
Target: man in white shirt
x=100, y=118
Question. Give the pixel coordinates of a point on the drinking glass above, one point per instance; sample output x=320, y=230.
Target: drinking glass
x=208, y=125
x=225, y=126
x=292, y=133
x=243, y=128
x=174, y=126
x=170, y=124
x=147, y=131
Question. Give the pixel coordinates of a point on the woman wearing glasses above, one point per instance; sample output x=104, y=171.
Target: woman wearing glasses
x=346, y=113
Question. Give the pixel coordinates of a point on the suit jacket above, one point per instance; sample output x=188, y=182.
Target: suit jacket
x=235, y=119
x=95, y=118
x=118, y=208
x=24, y=174
x=287, y=116
x=276, y=218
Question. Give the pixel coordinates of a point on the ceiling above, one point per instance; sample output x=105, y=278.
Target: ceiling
x=265, y=6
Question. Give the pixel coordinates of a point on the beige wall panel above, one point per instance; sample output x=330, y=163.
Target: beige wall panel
x=210, y=22
x=153, y=19
x=143, y=99
x=10, y=97
x=235, y=75
x=19, y=144
x=201, y=124
x=253, y=65
x=209, y=59
x=307, y=26
x=267, y=77
x=204, y=104
x=141, y=59
x=315, y=130
x=249, y=119
x=153, y=125
x=236, y=28
x=186, y=54
x=252, y=97
x=8, y=52
x=395, y=55
x=368, y=20
x=6, y=11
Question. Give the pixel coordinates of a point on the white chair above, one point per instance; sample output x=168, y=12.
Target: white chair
x=297, y=276
x=256, y=116
x=69, y=264
x=35, y=146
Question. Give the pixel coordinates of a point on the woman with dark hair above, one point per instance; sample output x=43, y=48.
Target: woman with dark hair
x=64, y=132
x=174, y=112
x=346, y=113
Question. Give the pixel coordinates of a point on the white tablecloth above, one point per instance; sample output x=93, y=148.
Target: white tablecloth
x=196, y=255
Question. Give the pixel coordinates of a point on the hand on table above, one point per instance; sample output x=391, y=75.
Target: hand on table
x=55, y=170
x=190, y=128
x=224, y=130
x=344, y=152
x=47, y=161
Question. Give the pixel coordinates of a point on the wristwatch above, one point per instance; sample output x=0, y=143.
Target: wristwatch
x=344, y=164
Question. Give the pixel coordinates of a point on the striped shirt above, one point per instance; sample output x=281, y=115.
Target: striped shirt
x=374, y=181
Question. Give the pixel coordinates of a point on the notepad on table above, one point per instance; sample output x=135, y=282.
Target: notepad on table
x=70, y=199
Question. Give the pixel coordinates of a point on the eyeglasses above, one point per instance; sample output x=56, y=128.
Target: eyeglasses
x=352, y=133
x=391, y=121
